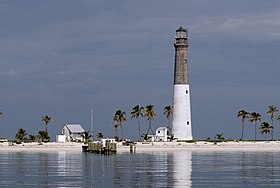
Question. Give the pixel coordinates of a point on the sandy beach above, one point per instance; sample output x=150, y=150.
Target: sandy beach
x=35, y=146
x=150, y=146
x=207, y=146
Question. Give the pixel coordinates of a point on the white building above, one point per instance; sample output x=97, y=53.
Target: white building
x=162, y=134
x=73, y=132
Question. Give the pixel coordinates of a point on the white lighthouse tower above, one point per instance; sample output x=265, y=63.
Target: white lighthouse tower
x=182, y=124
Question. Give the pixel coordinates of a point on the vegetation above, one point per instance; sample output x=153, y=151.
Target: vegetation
x=115, y=126
x=99, y=136
x=168, y=111
x=32, y=138
x=136, y=113
x=86, y=136
x=219, y=137
x=254, y=117
x=47, y=120
x=43, y=136
x=150, y=115
x=271, y=110
x=145, y=137
x=243, y=114
x=266, y=128
x=21, y=135
x=120, y=119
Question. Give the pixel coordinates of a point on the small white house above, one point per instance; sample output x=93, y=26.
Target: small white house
x=73, y=132
x=162, y=134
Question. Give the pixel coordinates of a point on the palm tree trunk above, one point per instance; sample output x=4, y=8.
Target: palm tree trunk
x=272, y=130
x=242, y=132
x=255, y=131
x=150, y=127
x=121, y=131
x=150, y=122
x=139, y=129
x=46, y=127
x=168, y=120
x=116, y=131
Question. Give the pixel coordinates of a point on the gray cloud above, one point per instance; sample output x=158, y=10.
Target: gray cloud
x=65, y=57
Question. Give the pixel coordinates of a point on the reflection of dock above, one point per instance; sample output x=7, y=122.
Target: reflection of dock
x=105, y=146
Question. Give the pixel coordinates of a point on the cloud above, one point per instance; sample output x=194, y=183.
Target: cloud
x=261, y=27
x=63, y=56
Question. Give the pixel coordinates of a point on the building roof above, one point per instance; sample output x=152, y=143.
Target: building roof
x=75, y=128
x=161, y=128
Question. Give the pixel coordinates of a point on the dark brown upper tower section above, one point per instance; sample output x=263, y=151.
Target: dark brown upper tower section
x=181, y=57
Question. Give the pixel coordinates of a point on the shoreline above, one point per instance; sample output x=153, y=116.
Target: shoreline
x=151, y=146
x=207, y=146
x=35, y=146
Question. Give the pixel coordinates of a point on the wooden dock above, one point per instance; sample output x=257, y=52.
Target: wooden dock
x=102, y=148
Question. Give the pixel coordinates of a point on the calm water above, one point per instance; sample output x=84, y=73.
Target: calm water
x=159, y=169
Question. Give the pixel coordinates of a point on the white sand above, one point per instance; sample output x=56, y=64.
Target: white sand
x=150, y=146
x=34, y=146
x=204, y=146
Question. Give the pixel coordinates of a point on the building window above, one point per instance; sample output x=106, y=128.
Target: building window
x=158, y=132
x=188, y=123
x=187, y=92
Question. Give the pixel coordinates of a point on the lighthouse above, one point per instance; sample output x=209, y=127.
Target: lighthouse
x=182, y=124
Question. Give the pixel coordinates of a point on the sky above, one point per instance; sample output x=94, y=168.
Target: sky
x=64, y=58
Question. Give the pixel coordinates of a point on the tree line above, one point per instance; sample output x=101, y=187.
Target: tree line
x=136, y=113
x=254, y=117
x=43, y=136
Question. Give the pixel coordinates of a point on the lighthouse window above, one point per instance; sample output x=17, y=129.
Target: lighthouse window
x=187, y=91
x=188, y=123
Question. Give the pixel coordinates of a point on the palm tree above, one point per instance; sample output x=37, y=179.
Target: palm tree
x=219, y=136
x=254, y=117
x=136, y=113
x=86, y=135
x=271, y=110
x=168, y=111
x=21, y=135
x=243, y=114
x=44, y=136
x=266, y=128
x=47, y=120
x=1, y=113
x=99, y=136
x=150, y=114
x=32, y=137
x=115, y=126
x=119, y=119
